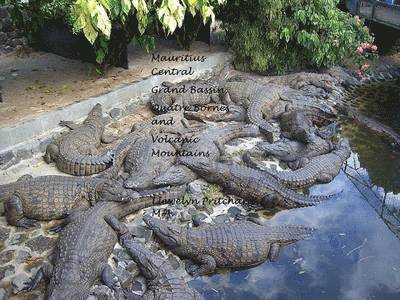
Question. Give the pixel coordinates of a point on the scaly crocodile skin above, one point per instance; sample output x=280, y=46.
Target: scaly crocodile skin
x=323, y=168
x=47, y=197
x=76, y=151
x=235, y=244
x=253, y=185
x=87, y=241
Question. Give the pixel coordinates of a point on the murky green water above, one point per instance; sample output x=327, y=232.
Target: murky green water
x=355, y=252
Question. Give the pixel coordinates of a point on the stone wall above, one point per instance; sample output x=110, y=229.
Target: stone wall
x=10, y=37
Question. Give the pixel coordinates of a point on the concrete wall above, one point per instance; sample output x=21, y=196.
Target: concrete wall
x=30, y=137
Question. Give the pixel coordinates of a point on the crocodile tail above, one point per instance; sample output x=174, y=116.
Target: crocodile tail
x=288, y=233
x=292, y=199
x=255, y=116
x=238, y=131
x=84, y=165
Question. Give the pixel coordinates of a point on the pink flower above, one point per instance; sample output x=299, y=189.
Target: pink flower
x=364, y=67
x=374, y=48
x=359, y=50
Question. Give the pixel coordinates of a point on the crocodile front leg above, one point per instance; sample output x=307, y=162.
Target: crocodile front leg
x=68, y=218
x=69, y=124
x=107, y=277
x=15, y=214
x=207, y=264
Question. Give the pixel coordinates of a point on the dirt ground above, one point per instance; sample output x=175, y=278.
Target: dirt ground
x=39, y=81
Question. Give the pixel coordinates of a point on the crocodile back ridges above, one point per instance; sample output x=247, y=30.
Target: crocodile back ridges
x=49, y=197
x=163, y=279
x=83, y=246
x=159, y=104
x=216, y=134
x=287, y=233
x=239, y=243
x=149, y=198
x=87, y=241
x=261, y=105
x=304, y=176
x=78, y=164
x=307, y=174
x=289, y=197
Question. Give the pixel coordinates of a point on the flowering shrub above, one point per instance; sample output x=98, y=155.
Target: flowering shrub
x=284, y=35
x=365, y=52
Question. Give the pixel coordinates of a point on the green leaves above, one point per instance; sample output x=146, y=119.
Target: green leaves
x=171, y=14
x=95, y=18
x=281, y=35
x=91, y=17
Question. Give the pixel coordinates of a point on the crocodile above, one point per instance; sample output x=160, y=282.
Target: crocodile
x=328, y=131
x=301, y=90
x=132, y=147
x=185, y=95
x=218, y=113
x=294, y=152
x=51, y=197
x=253, y=185
x=209, y=147
x=323, y=168
x=298, y=81
x=144, y=163
x=163, y=281
x=76, y=152
x=86, y=242
x=297, y=126
x=233, y=245
x=258, y=99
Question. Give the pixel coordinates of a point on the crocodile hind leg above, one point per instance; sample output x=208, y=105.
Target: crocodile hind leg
x=15, y=214
x=274, y=252
x=44, y=272
x=207, y=264
x=107, y=276
x=325, y=178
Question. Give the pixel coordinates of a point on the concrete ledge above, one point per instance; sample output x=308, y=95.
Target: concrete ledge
x=32, y=136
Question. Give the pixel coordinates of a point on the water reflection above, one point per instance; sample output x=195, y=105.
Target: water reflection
x=355, y=252
x=380, y=101
x=375, y=154
x=353, y=255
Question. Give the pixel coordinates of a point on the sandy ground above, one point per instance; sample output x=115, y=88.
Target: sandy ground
x=39, y=81
x=36, y=166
